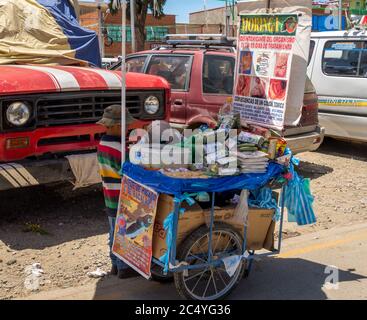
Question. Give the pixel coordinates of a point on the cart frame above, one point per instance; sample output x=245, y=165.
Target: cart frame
x=173, y=267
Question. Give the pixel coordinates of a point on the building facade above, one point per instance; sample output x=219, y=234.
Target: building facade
x=325, y=14
x=215, y=19
x=111, y=28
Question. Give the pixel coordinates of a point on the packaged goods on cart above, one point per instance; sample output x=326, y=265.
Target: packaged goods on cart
x=250, y=138
x=227, y=119
x=260, y=131
x=158, y=156
x=212, y=152
x=253, y=162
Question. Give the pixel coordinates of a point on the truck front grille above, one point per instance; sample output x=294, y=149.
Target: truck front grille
x=72, y=108
x=82, y=108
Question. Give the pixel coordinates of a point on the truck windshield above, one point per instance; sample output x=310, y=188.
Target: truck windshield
x=135, y=64
x=175, y=69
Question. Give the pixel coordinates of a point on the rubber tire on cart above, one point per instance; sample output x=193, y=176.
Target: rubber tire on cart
x=186, y=282
x=158, y=275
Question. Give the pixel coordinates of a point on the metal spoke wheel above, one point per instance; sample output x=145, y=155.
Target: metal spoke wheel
x=211, y=282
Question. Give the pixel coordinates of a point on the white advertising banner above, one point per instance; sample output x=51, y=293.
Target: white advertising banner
x=273, y=48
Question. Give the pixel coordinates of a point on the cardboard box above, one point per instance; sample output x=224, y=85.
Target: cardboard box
x=260, y=231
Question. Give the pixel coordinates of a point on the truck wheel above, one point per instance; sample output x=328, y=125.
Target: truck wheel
x=212, y=282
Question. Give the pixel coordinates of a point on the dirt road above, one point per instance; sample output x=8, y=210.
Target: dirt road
x=66, y=231
x=320, y=265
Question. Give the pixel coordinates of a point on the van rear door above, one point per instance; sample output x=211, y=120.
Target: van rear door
x=339, y=74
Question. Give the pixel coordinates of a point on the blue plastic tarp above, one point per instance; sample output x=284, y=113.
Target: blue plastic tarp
x=45, y=32
x=176, y=186
x=83, y=41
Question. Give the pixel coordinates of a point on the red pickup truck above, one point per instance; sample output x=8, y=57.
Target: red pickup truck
x=47, y=112
x=202, y=75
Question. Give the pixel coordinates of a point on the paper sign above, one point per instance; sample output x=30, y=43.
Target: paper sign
x=265, y=51
x=134, y=225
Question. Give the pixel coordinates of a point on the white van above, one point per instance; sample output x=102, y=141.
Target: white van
x=338, y=69
x=107, y=63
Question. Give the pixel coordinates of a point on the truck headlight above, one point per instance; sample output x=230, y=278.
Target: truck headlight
x=151, y=105
x=18, y=113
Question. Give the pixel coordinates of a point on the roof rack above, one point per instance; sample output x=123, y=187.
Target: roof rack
x=194, y=47
x=205, y=40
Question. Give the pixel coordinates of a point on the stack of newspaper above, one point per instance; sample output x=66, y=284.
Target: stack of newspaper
x=252, y=162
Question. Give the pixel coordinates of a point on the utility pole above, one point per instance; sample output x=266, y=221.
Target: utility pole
x=340, y=14
x=232, y=17
x=226, y=19
x=268, y=3
x=206, y=16
x=132, y=22
x=100, y=29
x=123, y=80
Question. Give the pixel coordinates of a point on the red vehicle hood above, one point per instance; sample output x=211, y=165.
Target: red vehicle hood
x=20, y=79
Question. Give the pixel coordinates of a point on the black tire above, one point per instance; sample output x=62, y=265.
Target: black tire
x=159, y=276
x=202, y=232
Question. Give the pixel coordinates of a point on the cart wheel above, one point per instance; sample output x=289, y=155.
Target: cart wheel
x=159, y=276
x=213, y=282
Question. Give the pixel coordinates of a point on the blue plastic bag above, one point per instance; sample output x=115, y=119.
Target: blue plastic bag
x=263, y=198
x=298, y=200
x=168, y=227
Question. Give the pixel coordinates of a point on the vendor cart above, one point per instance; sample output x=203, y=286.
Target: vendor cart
x=211, y=261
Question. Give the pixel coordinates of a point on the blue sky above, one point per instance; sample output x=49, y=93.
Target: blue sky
x=182, y=8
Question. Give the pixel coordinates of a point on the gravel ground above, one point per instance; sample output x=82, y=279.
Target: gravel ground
x=338, y=172
x=66, y=231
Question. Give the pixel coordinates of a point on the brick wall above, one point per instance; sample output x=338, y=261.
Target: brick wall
x=211, y=16
x=184, y=28
x=168, y=20
x=89, y=19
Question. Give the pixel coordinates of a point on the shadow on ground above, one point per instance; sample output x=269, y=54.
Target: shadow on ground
x=346, y=149
x=289, y=279
x=59, y=211
x=337, y=148
x=271, y=278
x=312, y=170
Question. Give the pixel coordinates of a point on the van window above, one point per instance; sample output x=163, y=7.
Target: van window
x=218, y=74
x=345, y=58
x=175, y=69
x=312, y=49
x=106, y=65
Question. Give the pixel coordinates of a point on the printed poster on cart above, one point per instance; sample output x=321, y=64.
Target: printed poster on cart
x=133, y=238
x=265, y=52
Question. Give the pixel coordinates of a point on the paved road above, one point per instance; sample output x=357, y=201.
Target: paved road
x=299, y=272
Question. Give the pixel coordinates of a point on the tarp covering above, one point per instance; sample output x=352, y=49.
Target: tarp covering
x=176, y=186
x=45, y=32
